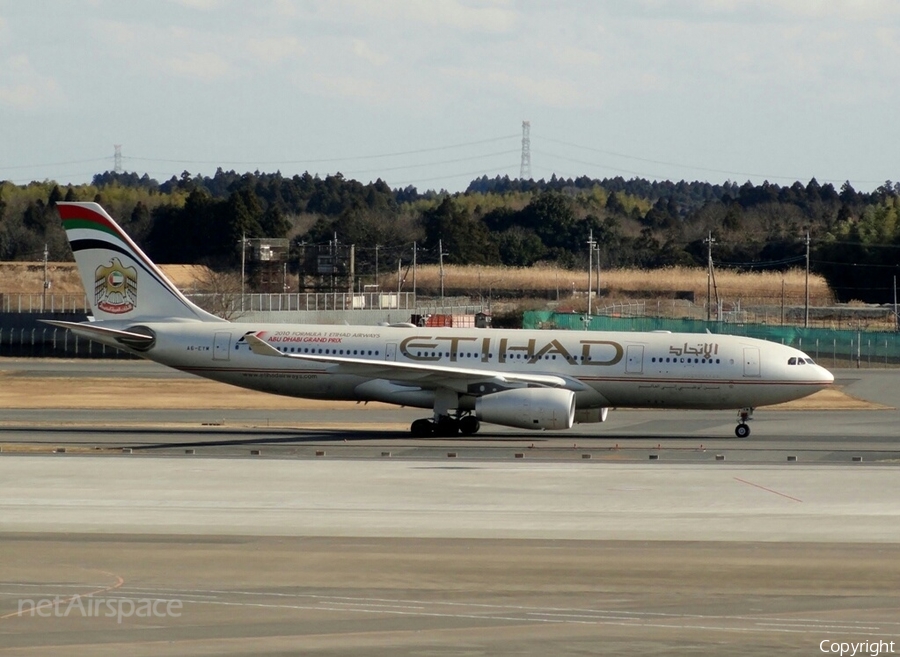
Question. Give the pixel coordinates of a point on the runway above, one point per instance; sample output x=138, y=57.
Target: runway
x=381, y=545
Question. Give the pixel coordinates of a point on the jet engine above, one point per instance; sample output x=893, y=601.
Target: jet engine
x=528, y=408
x=589, y=415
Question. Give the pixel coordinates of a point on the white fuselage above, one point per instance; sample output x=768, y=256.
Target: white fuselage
x=606, y=369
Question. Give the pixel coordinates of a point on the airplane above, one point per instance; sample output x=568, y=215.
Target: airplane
x=526, y=379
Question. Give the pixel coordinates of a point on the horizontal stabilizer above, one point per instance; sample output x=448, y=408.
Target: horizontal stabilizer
x=104, y=334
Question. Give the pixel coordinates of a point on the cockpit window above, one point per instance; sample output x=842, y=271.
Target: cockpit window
x=810, y=361
x=792, y=361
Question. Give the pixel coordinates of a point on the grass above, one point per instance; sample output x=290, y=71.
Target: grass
x=620, y=284
x=28, y=277
x=543, y=281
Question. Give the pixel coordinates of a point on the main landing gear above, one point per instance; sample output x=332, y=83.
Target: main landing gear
x=446, y=426
x=742, y=430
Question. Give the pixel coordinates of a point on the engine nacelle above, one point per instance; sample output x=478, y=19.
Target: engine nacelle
x=391, y=393
x=528, y=408
x=590, y=415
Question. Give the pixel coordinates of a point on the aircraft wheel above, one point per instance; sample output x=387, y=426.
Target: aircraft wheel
x=446, y=427
x=742, y=430
x=422, y=428
x=469, y=425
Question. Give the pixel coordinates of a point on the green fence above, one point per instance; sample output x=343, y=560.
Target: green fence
x=834, y=348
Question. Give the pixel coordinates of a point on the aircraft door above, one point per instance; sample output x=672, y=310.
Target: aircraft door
x=222, y=346
x=634, y=359
x=751, y=361
x=390, y=351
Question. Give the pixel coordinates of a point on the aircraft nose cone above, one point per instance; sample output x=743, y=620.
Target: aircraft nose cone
x=826, y=377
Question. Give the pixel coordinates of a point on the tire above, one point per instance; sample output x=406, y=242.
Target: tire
x=422, y=428
x=469, y=425
x=742, y=430
x=446, y=427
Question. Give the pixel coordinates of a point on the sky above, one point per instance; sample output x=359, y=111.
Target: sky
x=433, y=93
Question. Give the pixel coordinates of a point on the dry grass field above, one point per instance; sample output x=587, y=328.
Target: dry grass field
x=28, y=277
x=544, y=281
x=752, y=287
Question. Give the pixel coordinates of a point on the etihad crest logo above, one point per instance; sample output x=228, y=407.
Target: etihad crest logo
x=115, y=287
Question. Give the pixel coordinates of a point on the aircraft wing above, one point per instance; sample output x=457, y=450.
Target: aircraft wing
x=420, y=374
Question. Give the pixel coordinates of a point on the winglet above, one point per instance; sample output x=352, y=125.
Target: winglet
x=261, y=347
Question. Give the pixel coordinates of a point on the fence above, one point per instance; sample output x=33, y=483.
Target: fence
x=52, y=342
x=322, y=301
x=314, y=302
x=23, y=334
x=43, y=303
x=831, y=347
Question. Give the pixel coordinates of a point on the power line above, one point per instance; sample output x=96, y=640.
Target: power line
x=614, y=170
x=483, y=172
x=327, y=160
x=428, y=164
x=54, y=164
x=689, y=166
x=752, y=265
x=855, y=264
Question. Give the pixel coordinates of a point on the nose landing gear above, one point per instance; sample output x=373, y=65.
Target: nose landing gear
x=742, y=430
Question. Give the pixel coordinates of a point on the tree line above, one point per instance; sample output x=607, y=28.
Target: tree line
x=854, y=236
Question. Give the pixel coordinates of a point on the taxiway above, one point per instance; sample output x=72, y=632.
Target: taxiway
x=342, y=536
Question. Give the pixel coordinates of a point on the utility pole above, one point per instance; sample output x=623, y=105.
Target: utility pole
x=709, y=268
x=243, y=266
x=376, y=266
x=806, y=319
x=441, y=256
x=352, y=276
x=590, y=272
x=415, y=249
x=334, y=256
x=782, y=301
x=896, y=316
x=47, y=281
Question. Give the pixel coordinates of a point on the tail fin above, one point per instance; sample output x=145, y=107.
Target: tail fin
x=121, y=282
